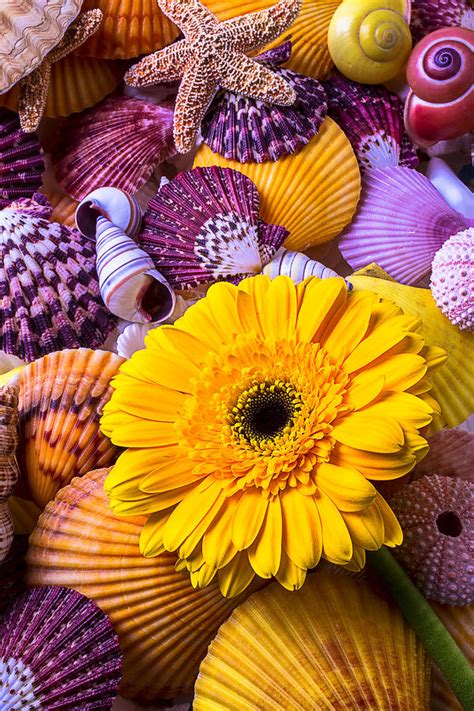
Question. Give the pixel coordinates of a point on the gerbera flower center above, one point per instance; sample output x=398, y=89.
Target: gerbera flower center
x=265, y=410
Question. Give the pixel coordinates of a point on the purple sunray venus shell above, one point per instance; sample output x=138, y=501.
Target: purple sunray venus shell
x=21, y=160
x=400, y=223
x=430, y=15
x=372, y=119
x=58, y=650
x=117, y=143
x=49, y=292
x=249, y=131
x=204, y=226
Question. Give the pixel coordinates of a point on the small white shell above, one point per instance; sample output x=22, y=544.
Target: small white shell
x=129, y=284
x=116, y=205
x=297, y=266
x=446, y=182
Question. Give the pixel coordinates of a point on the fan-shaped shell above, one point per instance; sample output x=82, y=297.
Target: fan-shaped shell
x=129, y=28
x=61, y=401
x=437, y=519
x=118, y=144
x=21, y=160
x=313, y=193
x=333, y=644
x=12, y=570
x=50, y=294
x=28, y=31
x=460, y=624
x=164, y=625
x=430, y=15
x=57, y=651
x=372, y=119
x=400, y=223
x=204, y=225
x=246, y=130
x=451, y=454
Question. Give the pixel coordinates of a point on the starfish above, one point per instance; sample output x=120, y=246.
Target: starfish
x=213, y=55
x=34, y=87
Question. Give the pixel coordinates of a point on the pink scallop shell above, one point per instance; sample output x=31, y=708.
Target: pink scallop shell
x=430, y=15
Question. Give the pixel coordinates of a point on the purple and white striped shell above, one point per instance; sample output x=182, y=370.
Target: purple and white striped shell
x=118, y=143
x=49, y=293
x=249, y=131
x=297, y=266
x=400, y=223
x=21, y=160
x=116, y=205
x=129, y=284
x=58, y=650
x=372, y=119
x=430, y=15
x=204, y=226
x=452, y=279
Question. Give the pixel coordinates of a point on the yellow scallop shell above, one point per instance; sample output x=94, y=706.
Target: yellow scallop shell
x=308, y=33
x=334, y=644
x=164, y=625
x=313, y=193
x=370, y=40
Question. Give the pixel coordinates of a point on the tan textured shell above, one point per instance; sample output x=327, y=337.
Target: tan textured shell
x=313, y=193
x=8, y=465
x=61, y=401
x=334, y=644
x=164, y=625
x=460, y=623
x=28, y=31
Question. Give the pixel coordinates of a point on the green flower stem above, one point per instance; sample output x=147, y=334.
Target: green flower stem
x=438, y=642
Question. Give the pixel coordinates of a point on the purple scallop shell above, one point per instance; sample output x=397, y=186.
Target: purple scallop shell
x=372, y=119
x=58, y=650
x=49, y=292
x=21, y=160
x=249, y=131
x=204, y=226
x=430, y=15
x=400, y=223
x=117, y=143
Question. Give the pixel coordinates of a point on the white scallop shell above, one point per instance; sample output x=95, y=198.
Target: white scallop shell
x=297, y=266
x=446, y=182
x=116, y=205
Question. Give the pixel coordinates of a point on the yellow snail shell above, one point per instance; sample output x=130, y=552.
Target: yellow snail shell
x=370, y=40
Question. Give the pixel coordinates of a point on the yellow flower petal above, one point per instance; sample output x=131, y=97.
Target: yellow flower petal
x=203, y=576
x=265, y=553
x=347, y=329
x=217, y=547
x=321, y=298
x=236, y=576
x=289, y=575
x=375, y=465
x=346, y=488
x=184, y=343
x=337, y=543
x=362, y=431
x=366, y=527
x=364, y=391
x=130, y=431
x=198, y=321
x=380, y=341
x=280, y=309
x=161, y=369
x=410, y=411
x=221, y=301
x=300, y=513
x=248, y=314
x=150, y=402
x=248, y=518
x=151, y=536
x=190, y=512
x=358, y=560
x=400, y=372
x=393, y=534
x=169, y=474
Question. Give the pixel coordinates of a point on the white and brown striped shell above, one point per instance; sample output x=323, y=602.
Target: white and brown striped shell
x=8, y=463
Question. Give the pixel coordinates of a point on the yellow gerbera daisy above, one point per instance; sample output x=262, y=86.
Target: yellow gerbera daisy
x=254, y=424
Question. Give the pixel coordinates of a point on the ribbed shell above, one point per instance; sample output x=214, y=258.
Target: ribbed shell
x=28, y=31
x=400, y=223
x=249, y=131
x=437, y=517
x=334, y=644
x=48, y=286
x=8, y=464
x=204, y=225
x=117, y=144
x=57, y=651
x=460, y=624
x=372, y=119
x=21, y=160
x=313, y=193
x=430, y=15
x=61, y=401
x=297, y=266
x=451, y=454
x=129, y=28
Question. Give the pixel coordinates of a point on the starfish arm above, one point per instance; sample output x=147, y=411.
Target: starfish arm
x=167, y=64
x=256, y=29
x=33, y=95
x=242, y=75
x=77, y=33
x=188, y=15
x=194, y=96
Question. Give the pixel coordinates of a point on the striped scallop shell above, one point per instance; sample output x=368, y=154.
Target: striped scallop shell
x=61, y=401
x=400, y=223
x=204, y=225
x=21, y=160
x=430, y=15
x=313, y=193
x=112, y=203
x=372, y=119
x=246, y=130
x=334, y=644
x=460, y=624
x=119, y=143
x=57, y=651
x=164, y=625
x=49, y=288
x=28, y=31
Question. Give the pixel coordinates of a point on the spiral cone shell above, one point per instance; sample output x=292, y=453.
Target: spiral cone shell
x=297, y=266
x=116, y=205
x=8, y=465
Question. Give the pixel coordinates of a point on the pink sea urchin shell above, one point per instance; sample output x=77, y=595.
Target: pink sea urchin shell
x=58, y=650
x=437, y=519
x=452, y=279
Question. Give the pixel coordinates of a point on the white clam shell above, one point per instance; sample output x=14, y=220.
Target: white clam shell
x=114, y=204
x=446, y=182
x=297, y=266
x=128, y=278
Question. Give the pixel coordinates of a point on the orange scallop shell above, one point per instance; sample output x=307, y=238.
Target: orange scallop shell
x=164, y=625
